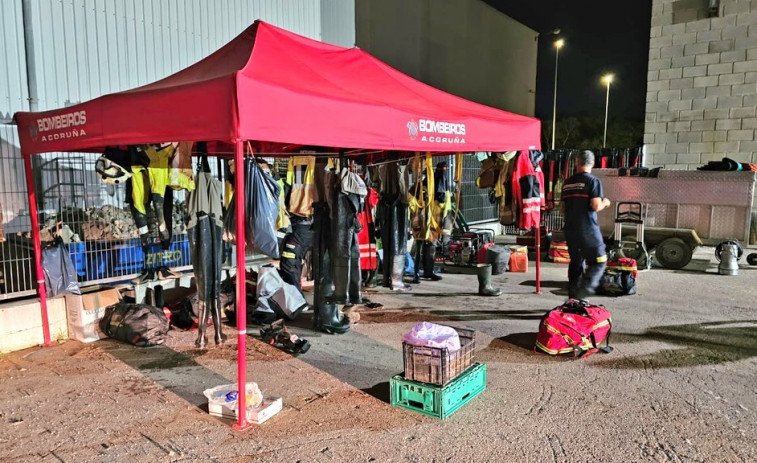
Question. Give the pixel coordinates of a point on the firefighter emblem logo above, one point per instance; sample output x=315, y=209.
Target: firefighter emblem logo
x=412, y=129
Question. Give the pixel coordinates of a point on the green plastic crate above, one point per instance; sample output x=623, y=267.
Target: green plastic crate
x=438, y=401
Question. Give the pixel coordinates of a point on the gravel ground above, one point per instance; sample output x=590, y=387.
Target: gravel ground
x=679, y=385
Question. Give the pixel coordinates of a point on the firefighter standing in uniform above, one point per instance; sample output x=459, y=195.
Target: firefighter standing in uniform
x=582, y=198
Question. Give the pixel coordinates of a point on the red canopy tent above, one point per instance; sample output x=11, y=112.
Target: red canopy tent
x=271, y=85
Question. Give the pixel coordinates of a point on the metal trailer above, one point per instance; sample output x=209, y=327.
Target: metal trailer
x=683, y=209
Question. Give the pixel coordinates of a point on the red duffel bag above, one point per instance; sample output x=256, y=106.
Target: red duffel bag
x=576, y=327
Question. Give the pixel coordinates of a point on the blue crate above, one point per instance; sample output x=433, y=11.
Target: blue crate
x=95, y=260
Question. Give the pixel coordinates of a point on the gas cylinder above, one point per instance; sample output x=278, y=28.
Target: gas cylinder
x=728, y=259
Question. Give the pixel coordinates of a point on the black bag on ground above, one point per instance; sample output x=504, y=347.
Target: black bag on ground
x=60, y=274
x=139, y=324
x=183, y=316
x=499, y=258
x=617, y=283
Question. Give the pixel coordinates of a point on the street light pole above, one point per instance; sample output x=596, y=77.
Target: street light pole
x=558, y=45
x=607, y=79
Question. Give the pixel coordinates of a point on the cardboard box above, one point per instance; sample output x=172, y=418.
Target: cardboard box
x=257, y=415
x=85, y=311
x=518, y=249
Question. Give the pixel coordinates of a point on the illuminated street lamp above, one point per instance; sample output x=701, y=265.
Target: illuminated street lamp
x=558, y=45
x=607, y=80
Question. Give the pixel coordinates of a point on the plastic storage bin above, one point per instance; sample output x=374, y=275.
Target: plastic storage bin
x=434, y=365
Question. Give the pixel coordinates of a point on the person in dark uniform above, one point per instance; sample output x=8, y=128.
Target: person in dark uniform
x=296, y=243
x=582, y=198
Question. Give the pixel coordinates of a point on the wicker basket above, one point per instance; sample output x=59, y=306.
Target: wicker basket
x=435, y=365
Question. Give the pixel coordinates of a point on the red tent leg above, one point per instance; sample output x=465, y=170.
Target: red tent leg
x=538, y=256
x=37, y=250
x=241, y=307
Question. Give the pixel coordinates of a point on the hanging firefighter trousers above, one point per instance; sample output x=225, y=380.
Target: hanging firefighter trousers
x=393, y=240
x=296, y=243
x=327, y=317
x=206, y=249
x=344, y=250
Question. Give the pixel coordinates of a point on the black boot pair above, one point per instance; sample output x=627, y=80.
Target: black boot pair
x=329, y=320
x=212, y=309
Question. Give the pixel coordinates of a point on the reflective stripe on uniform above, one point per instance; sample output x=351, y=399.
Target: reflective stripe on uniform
x=628, y=269
x=602, y=258
x=288, y=255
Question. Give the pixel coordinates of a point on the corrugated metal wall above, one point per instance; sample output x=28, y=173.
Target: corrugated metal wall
x=87, y=48
x=13, y=70
x=338, y=22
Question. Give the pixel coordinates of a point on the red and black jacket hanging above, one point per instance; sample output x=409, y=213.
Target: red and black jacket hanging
x=527, y=186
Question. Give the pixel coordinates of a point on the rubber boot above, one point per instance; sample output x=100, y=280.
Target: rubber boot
x=329, y=320
x=370, y=279
x=202, y=323
x=429, y=259
x=484, y=272
x=416, y=256
x=215, y=313
x=398, y=269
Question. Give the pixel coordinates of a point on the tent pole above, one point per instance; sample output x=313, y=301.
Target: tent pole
x=538, y=255
x=241, y=297
x=37, y=250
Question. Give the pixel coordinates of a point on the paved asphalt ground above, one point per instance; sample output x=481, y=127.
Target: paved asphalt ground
x=679, y=386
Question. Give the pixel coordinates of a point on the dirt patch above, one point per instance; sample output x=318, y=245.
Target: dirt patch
x=257, y=351
x=398, y=316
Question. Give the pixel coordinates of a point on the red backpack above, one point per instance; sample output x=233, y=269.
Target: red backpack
x=576, y=327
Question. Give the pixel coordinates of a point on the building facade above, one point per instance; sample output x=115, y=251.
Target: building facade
x=702, y=83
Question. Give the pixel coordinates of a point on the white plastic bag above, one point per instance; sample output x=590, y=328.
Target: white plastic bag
x=225, y=396
x=432, y=335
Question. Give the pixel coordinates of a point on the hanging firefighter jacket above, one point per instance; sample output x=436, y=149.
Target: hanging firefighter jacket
x=503, y=191
x=366, y=238
x=431, y=218
x=283, y=221
x=528, y=193
x=166, y=168
x=180, y=174
x=300, y=175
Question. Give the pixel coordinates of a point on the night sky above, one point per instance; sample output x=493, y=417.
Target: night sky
x=600, y=36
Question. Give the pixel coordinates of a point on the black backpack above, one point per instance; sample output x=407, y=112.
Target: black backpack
x=617, y=283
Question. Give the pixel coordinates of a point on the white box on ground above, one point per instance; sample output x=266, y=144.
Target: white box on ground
x=85, y=311
x=269, y=407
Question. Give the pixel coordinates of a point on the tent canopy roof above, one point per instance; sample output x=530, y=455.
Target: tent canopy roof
x=272, y=85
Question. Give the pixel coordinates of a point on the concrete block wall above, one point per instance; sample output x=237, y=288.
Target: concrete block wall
x=701, y=84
